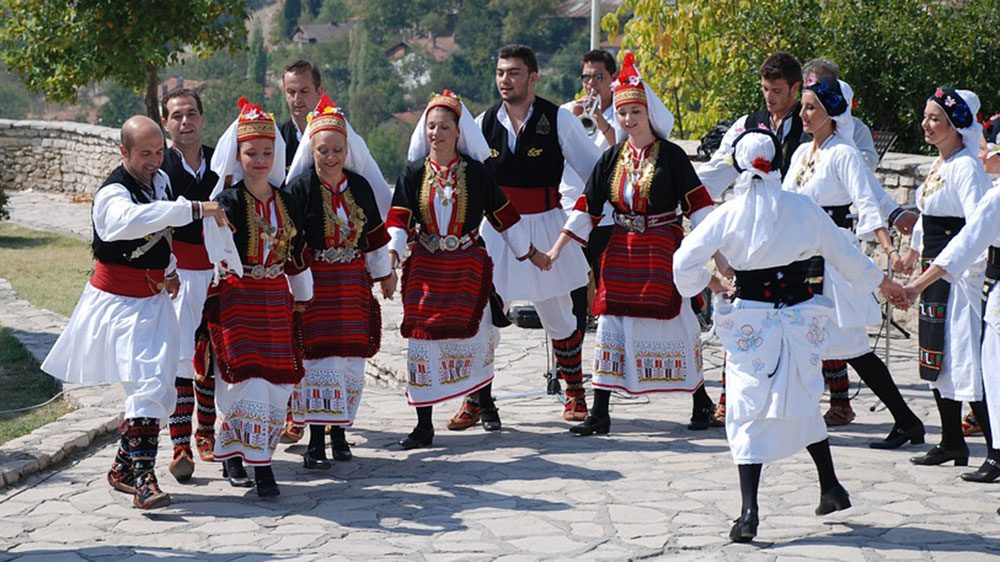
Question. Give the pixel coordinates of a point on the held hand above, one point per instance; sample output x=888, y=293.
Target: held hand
x=905, y=222
x=719, y=285
x=212, y=209
x=897, y=262
x=909, y=261
x=541, y=260
x=912, y=294
x=393, y=259
x=894, y=293
x=388, y=285
x=172, y=285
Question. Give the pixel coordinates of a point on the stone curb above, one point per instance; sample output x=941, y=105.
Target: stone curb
x=97, y=408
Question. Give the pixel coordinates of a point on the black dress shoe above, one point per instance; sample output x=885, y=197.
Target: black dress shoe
x=315, y=460
x=232, y=469
x=701, y=418
x=899, y=436
x=490, y=418
x=937, y=455
x=419, y=437
x=591, y=425
x=834, y=499
x=988, y=472
x=745, y=528
x=341, y=451
x=266, y=486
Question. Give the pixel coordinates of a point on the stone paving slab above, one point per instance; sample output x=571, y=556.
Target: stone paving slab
x=54, y=212
x=650, y=490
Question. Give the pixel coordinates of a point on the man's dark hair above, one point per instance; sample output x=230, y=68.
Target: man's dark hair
x=300, y=67
x=522, y=52
x=603, y=57
x=180, y=93
x=781, y=65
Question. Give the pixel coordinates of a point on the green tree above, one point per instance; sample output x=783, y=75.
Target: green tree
x=291, y=11
x=122, y=103
x=15, y=101
x=257, y=58
x=58, y=47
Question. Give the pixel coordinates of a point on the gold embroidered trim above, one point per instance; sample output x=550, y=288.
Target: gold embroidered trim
x=427, y=189
x=648, y=167
x=332, y=221
x=933, y=182
x=259, y=230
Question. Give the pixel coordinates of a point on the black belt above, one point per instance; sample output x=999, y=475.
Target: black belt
x=840, y=215
x=783, y=286
x=938, y=231
x=992, y=273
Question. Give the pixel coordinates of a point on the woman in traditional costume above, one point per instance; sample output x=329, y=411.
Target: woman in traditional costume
x=346, y=242
x=832, y=172
x=647, y=334
x=774, y=329
x=255, y=350
x=439, y=202
x=950, y=309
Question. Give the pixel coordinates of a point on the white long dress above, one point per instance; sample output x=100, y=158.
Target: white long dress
x=964, y=182
x=961, y=254
x=521, y=280
x=839, y=177
x=128, y=340
x=771, y=417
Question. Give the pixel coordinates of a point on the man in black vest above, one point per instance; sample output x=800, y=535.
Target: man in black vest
x=187, y=163
x=301, y=84
x=780, y=84
x=124, y=328
x=531, y=139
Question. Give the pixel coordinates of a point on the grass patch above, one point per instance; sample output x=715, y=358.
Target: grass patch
x=46, y=269
x=24, y=384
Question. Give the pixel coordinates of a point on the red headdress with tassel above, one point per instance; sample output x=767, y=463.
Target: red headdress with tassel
x=254, y=123
x=327, y=117
x=629, y=87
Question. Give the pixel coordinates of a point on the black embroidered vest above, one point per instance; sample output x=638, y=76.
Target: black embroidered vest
x=120, y=252
x=538, y=158
x=183, y=184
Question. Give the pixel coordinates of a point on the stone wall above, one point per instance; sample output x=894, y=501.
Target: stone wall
x=56, y=156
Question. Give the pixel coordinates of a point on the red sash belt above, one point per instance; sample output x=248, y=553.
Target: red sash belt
x=127, y=281
x=445, y=293
x=343, y=319
x=637, y=274
x=253, y=332
x=532, y=200
x=191, y=256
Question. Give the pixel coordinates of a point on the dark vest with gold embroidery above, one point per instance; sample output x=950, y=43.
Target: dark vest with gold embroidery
x=537, y=160
x=120, y=251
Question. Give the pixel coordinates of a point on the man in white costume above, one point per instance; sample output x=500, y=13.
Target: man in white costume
x=124, y=328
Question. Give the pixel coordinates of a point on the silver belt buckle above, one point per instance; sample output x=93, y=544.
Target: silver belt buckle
x=274, y=271
x=450, y=243
x=257, y=271
x=637, y=224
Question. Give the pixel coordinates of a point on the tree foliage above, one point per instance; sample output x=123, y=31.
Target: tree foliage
x=57, y=47
x=257, y=58
x=702, y=56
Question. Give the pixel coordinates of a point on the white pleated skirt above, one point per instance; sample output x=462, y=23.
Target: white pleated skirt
x=189, y=304
x=253, y=415
x=521, y=280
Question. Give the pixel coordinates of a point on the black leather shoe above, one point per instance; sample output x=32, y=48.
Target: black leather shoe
x=417, y=438
x=339, y=446
x=232, y=469
x=988, y=472
x=937, y=455
x=834, y=499
x=899, y=436
x=490, y=418
x=745, y=528
x=701, y=418
x=266, y=486
x=591, y=425
x=315, y=460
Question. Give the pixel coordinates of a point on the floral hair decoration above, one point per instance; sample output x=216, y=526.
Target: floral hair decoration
x=954, y=106
x=830, y=95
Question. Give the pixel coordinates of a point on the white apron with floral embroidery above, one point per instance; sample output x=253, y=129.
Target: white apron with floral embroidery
x=774, y=379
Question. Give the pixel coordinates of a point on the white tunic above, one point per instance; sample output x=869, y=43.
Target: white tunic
x=840, y=177
x=962, y=254
x=112, y=338
x=964, y=184
x=521, y=280
x=770, y=417
x=439, y=370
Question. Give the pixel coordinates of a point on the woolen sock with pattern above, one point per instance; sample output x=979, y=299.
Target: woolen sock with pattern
x=569, y=362
x=142, y=436
x=204, y=391
x=835, y=375
x=122, y=465
x=180, y=420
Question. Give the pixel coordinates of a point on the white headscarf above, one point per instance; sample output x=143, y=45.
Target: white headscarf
x=471, y=141
x=226, y=163
x=758, y=191
x=660, y=118
x=844, y=121
x=359, y=161
x=972, y=134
